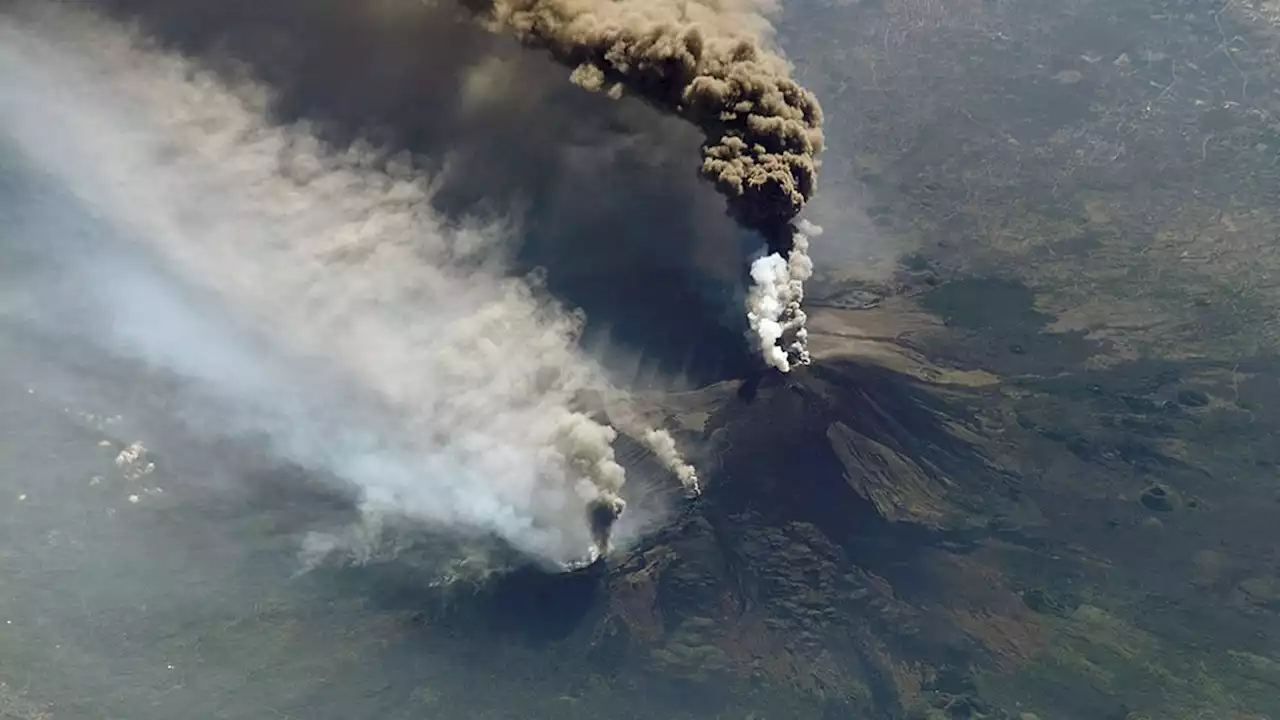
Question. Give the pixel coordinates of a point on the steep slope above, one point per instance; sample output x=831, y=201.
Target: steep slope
x=796, y=583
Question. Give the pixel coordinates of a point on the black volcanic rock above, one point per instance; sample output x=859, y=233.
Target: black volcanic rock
x=825, y=485
x=822, y=573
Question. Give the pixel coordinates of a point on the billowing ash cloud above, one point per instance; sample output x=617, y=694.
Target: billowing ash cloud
x=503, y=122
x=709, y=63
x=606, y=192
x=773, y=303
x=320, y=294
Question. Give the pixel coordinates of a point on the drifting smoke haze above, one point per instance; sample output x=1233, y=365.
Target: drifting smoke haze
x=511, y=123
x=337, y=212
x=320, y=294
x=605, y=192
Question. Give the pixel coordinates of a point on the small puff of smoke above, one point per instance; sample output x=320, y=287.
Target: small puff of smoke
x=663, y=446
x=658, y=441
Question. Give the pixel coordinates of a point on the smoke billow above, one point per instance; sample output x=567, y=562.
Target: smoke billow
x=604, y=191
x=323, y=295
x=773, y=303
x=429, y=79
x=707, y=62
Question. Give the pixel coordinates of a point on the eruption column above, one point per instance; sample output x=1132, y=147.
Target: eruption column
x=706, y=62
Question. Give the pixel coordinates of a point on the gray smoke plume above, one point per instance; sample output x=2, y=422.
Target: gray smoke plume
x=605, y=191
x=618, y=408
x=709, y=63
x=322, y=296
x=502, y=120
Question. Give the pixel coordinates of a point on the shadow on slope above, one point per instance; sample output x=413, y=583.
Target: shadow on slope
x=785, y=587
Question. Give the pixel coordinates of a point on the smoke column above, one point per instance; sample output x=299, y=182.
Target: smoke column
x=318, y=292
x=706, y=61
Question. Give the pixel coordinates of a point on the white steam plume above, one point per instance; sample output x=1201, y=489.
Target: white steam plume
x=659, y=442
x=774, y=302
x=364, y=335
x=662, y=445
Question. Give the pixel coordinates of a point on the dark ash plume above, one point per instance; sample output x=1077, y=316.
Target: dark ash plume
x=709, y=64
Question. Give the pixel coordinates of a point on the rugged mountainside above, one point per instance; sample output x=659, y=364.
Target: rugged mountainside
x=828, y=484
x=886, y=537
x=840, y=499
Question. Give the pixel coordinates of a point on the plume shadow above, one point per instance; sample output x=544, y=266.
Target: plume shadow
x=607, y=192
